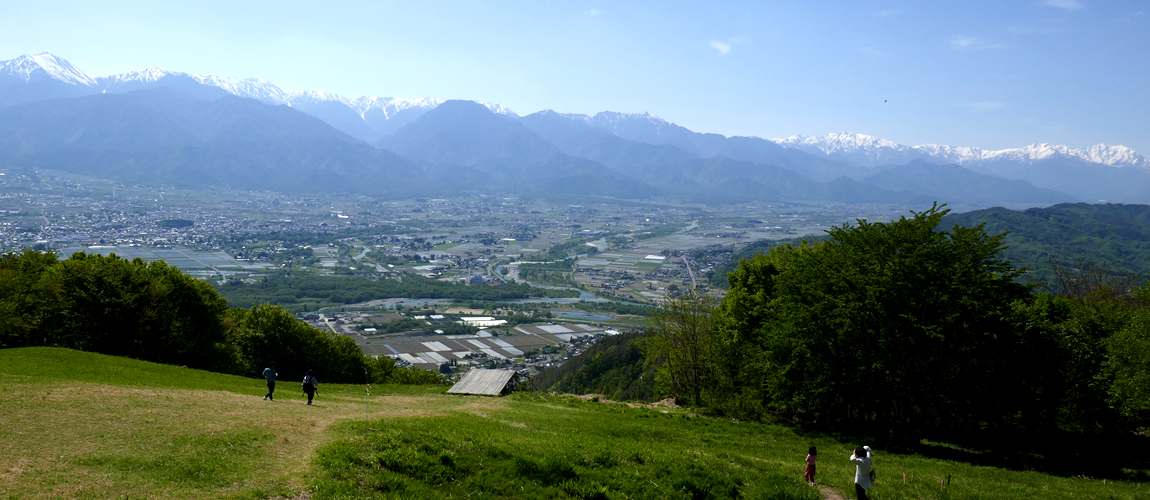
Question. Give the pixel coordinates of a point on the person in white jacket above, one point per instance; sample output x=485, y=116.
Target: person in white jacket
x=862, y=471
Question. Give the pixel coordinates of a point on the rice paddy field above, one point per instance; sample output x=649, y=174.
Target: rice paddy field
x=82, y=425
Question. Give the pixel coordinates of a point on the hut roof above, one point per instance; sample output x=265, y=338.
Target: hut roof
x=483, y=382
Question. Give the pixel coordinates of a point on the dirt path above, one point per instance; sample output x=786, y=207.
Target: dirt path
x=54, y=431
x=829, y=494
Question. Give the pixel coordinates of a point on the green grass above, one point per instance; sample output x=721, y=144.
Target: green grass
x=553, y=447
x=82, y=425
x=545, y=446
x=213, y=460
x=50, y=363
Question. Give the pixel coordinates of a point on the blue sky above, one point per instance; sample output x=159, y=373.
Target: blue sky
x=987, y=74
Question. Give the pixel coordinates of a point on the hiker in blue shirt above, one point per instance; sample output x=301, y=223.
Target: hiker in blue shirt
x=270, y=376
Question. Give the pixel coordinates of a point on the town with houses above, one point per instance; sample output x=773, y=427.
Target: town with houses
x=630, y=255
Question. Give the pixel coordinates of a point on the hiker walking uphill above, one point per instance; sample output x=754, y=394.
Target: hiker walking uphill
x=310, y=385
x=270, y=376
x=864, y=471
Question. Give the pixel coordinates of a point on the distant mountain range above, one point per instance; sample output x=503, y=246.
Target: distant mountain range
x=871, y=151
x=36, y=77
x=153, y=125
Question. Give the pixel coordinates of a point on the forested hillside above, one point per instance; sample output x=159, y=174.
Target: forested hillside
x=1068, y=234
x=154, y=312
x=614, y=367
x=910, y=325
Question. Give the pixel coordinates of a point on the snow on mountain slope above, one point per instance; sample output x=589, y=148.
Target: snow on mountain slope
x=253, y=88
x=364, y=105
x=870, y=151
x=27, y=68
x=855, y=148
x=375, y=113
x=1105, y=154
x=150, y=74
x=614, y=121
x=1114, y=155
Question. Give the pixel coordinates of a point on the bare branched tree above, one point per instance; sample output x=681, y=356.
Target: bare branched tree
x=682, y=334
x=1094, y=281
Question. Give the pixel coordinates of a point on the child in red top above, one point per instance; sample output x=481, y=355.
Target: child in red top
x=809, y=475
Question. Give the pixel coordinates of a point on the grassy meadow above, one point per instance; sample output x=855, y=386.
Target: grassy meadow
x=81, y=425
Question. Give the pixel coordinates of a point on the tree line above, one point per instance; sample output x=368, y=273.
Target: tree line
x=154, y=312
x=902, y=325
x=289, y=289
x=1068, y=233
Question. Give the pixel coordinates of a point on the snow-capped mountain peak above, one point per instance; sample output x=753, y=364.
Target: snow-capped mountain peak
x=362, y=105
x=574, y=116
x=1105, y=154
x=252, y=88
x=951, y=154
x=855, y=148
x=840, y=142
x=1117, y=156
x=613, y=118
x=146, y=75
x=44, y=65
x=870, y=151
x=498, y=109
x=295, y=97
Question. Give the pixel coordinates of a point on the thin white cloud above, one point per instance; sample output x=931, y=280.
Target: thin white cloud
x=723, y=48
x=984, y=105
x=972, y=43
x=1070, y=5
x=594, y=12
x=871, y=51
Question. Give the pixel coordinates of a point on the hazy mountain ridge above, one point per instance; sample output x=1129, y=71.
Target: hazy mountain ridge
x=953, y=182
x=686, y=173
x=375, y=113
x=163, y=135
x=610, y=153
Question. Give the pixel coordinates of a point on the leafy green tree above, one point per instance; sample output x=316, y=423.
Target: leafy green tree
x=1129, y=366
x=20, y=302
x=154, y=312
x=1094, y=304
x=267, y=334
x=893, y=323
x=132, y=308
